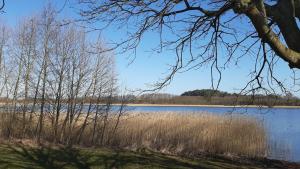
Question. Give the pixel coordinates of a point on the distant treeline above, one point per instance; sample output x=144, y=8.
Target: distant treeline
x=195, y=97
x=215, y=97
x=206, y=93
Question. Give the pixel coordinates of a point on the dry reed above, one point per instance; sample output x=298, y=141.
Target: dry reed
x=178, y=133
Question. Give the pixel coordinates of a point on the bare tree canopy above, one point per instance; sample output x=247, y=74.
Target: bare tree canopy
x=49, y=76
x=203, y=31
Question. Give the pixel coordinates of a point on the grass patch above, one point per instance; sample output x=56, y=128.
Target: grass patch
x=15, y=156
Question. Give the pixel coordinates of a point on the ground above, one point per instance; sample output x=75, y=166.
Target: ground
x=14, y=156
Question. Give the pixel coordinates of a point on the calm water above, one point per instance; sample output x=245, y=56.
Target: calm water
x=283, y=125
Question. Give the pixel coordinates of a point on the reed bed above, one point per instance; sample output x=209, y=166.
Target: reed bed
x=188, y=134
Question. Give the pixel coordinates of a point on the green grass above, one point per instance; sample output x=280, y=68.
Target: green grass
x=25, y=157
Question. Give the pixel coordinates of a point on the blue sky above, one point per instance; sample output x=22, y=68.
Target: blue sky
x=148, y=68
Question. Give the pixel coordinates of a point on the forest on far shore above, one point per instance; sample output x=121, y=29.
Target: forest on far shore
x=215, y=97
x=194, y=97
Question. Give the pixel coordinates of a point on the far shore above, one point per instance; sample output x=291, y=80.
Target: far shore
x=199, y=105
x=207, y=105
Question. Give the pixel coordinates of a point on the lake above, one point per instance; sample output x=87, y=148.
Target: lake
x=282, y=124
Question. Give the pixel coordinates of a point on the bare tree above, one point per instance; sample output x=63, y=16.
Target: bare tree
x=48, y=74
x=59, y=68
x=3, y=47
x=47, y=31
x=201, y=30
x=28, y=47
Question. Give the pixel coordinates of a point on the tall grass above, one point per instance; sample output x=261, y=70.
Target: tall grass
x=193, y=133
x=178, y=133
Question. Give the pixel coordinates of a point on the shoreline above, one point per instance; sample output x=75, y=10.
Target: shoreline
x=194, y=105
x=197, y=105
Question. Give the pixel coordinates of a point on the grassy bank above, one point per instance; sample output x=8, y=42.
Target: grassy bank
x=143, y=140
x=173, y=133
x=19, y=156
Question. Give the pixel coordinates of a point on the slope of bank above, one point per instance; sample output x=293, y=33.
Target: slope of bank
x=16, y=156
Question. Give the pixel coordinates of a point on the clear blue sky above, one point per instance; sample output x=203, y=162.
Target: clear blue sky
x=148, y=68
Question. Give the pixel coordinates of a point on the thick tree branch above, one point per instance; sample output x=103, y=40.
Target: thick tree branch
x=297, y=8
x=284, y=16
x=264, y=31
x=2, y=4
x=193, y=27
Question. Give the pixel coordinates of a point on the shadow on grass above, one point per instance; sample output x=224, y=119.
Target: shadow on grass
x=20, y=156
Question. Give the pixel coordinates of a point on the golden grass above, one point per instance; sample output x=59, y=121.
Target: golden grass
x=191, y=134
x=176, y=133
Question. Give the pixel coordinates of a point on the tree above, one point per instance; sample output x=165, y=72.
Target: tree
x=205, y=28
x=48, y=73
x=25, y=48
